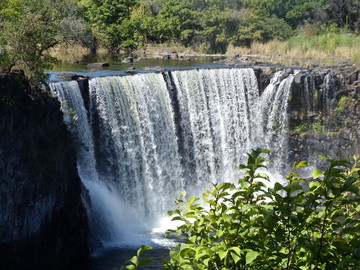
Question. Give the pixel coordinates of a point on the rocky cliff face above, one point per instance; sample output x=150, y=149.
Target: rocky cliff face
x=325, y=114
x=42, y=219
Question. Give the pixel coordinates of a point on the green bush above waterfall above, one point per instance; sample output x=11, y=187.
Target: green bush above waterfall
x=299, y=224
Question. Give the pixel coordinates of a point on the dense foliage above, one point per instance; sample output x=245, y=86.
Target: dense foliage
x=211, y=25
x=301, y=224
x=28, y=28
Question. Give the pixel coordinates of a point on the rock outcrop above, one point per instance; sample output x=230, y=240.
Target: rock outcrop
x=43, y=222
x=324, y=111
x=324, y=114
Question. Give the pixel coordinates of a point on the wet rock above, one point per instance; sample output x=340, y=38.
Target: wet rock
x=130, y=71
x=314, y=100
x=157, y=68
x=243, y=61
x=128, y=60
x=98, y=65
x=174, y=55
x=70, y=76
x=160, y=69
x=43, y=222
x=353, y=77
x=299, y=78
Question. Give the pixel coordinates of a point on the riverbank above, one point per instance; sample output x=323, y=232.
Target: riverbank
x=328, y=50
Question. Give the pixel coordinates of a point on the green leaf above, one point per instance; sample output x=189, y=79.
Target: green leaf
x=235, y=257
x=219, y=233
x=324, y=157
x=314, y=184
x=177, y=218
x=130, y=267
x=186, y=252
x=222, y=254
x=193, y=199
x=296, y=187
x=353, y=189
x=277, y=186
x=251, y=256
x=317, y=173
x=300, y=164
x=142, y=249
x=236, y=250
x=134, y=260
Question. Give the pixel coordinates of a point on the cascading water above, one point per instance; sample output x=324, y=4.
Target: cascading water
x=147, y=137
x=271, y=118
x=329, y=91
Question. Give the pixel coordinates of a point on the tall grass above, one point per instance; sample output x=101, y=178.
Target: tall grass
x=327, y=42
x=326, y=49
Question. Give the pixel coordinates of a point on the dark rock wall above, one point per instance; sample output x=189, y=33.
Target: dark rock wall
x=42, y=219
x=332, y=103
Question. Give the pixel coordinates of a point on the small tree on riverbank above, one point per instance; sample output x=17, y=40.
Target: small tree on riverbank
x=29, y=28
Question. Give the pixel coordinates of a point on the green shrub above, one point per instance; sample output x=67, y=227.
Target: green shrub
x=315, y=127
x=302, y=224
x=343, y=104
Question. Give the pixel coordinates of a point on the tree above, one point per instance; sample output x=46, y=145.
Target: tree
x=345, y=13
x=110, y=22
x=143, y=19
x=216, y=28
x=29, y=28
x=176, y=21
x=294, y=12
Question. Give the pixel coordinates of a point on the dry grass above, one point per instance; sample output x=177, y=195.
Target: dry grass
x=67, y=53
x=326, y=49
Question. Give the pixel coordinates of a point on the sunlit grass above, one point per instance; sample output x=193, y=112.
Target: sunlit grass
x=325, y=49
x=328, y=49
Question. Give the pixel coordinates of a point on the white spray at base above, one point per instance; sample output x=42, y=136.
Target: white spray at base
x=149, y=136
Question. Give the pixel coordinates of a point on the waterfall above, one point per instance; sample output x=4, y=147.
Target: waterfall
x=149, y=136
x=271, y=118
x=329, y=91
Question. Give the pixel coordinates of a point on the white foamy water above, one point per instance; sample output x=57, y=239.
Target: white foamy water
x=149, y=136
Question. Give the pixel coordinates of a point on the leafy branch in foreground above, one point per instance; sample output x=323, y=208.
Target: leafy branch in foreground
x=302, y=224
x=136, y=262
